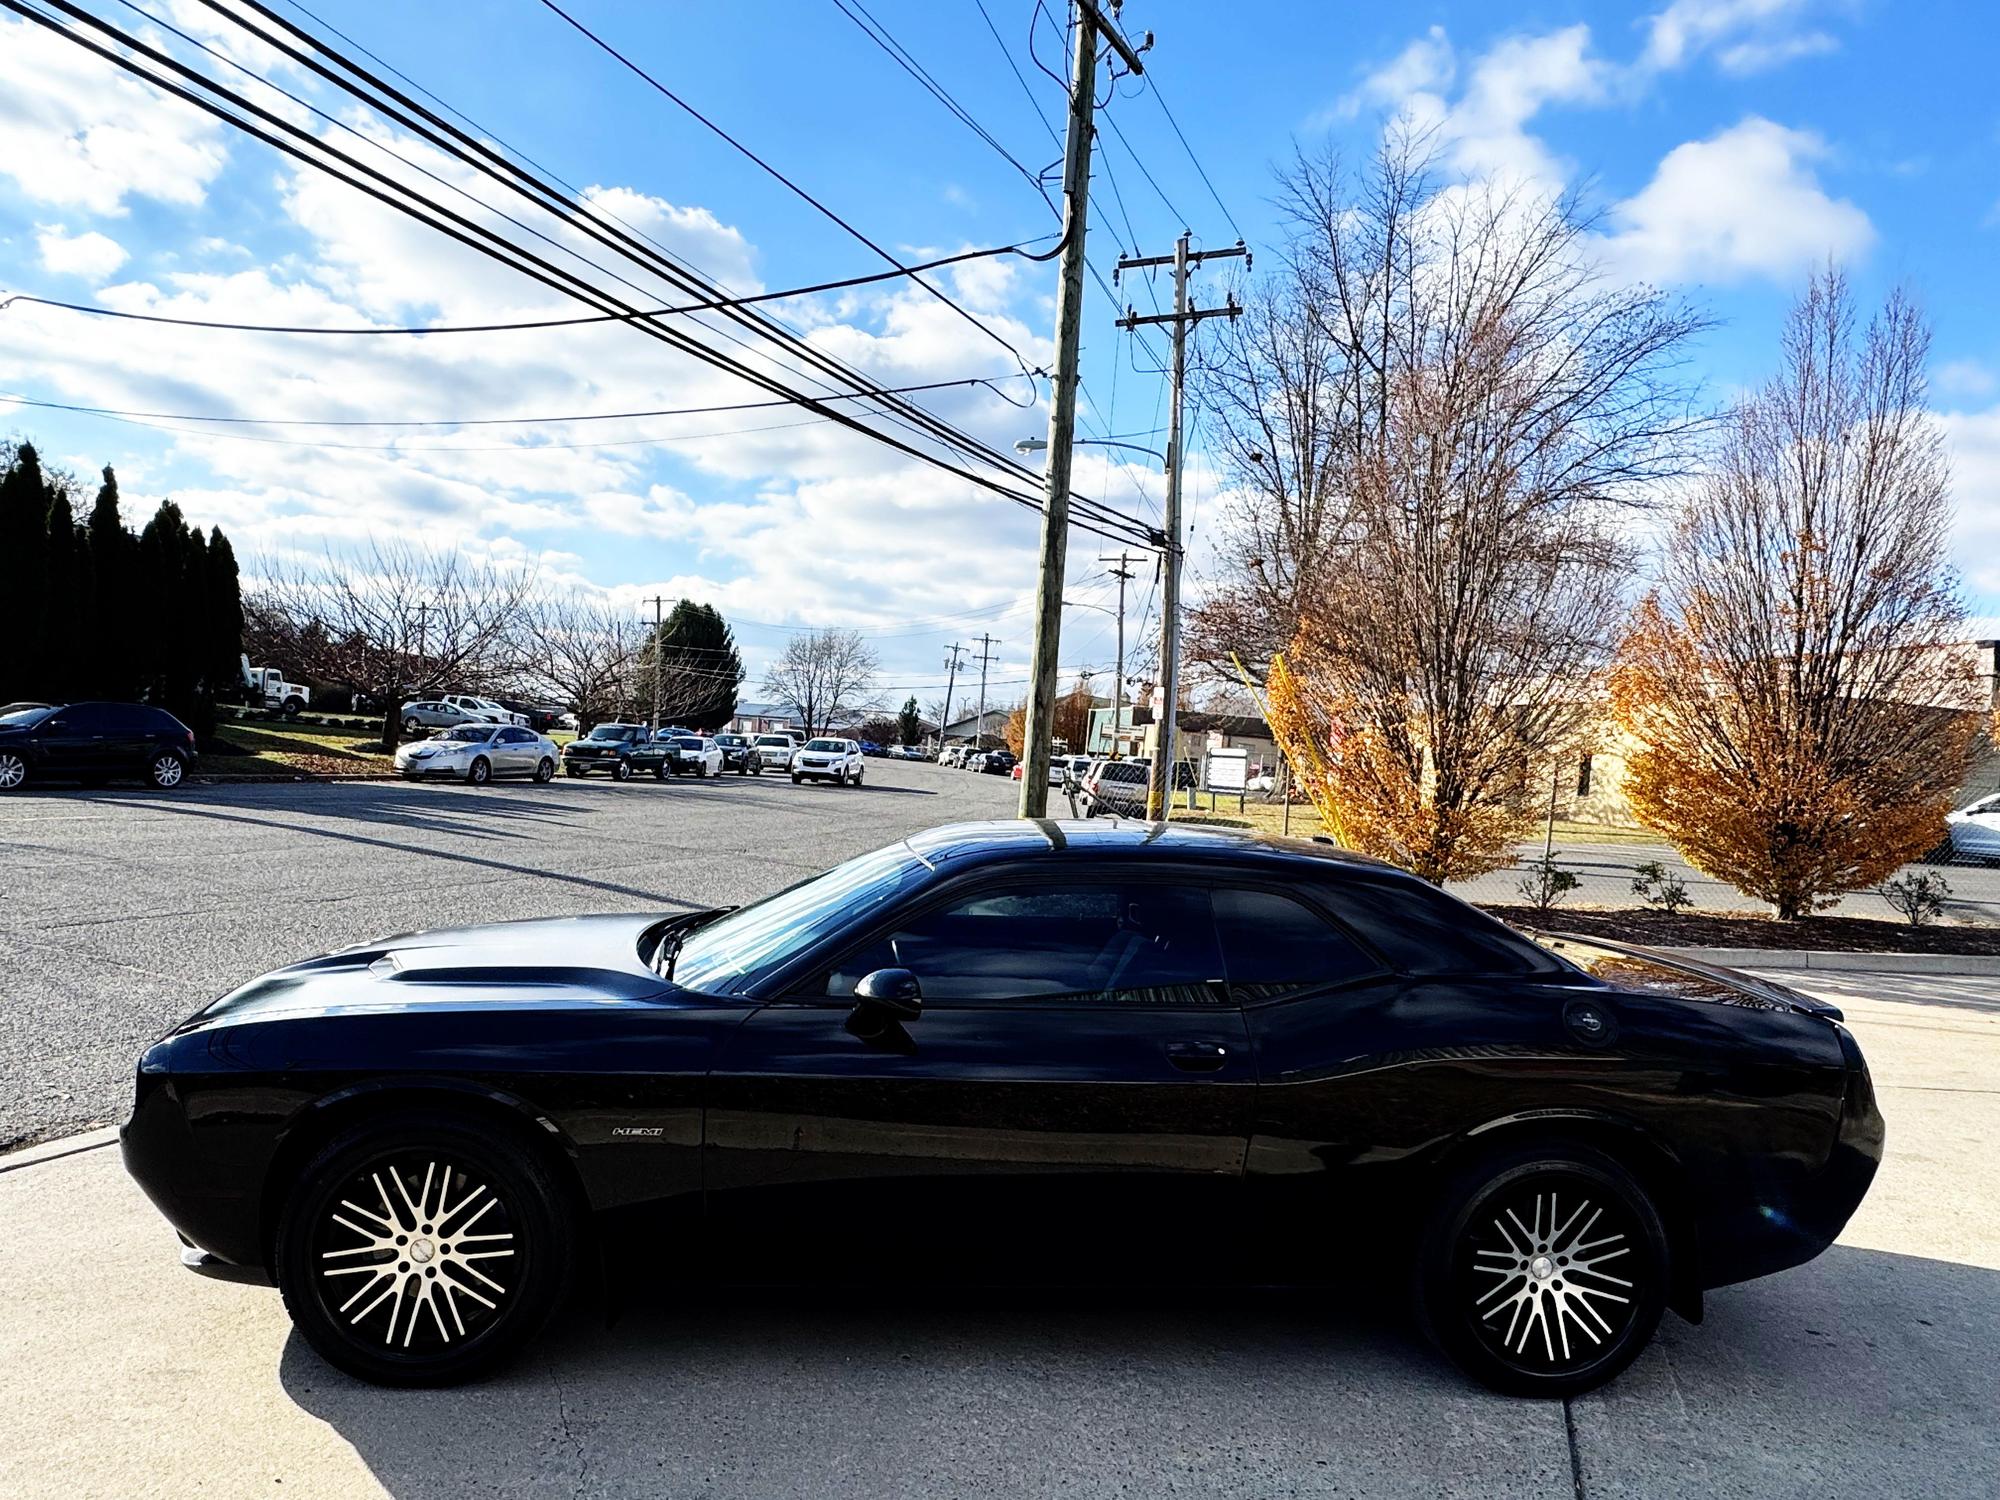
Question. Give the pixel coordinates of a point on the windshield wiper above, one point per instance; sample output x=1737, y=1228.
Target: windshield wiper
x=670, y=942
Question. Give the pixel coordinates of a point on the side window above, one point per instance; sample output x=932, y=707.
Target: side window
x=1423, y=931
x=1273, y=947
x=1114, y=943
x=85, y=718
x=515, y=736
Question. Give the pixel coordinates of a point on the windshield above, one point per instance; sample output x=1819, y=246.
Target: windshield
x=25, y=716
x=475, y=733
x=687, y=742
x=731, y=740
x=726, y=957
x=774, y=739
x=833, y=747
x=613, y=732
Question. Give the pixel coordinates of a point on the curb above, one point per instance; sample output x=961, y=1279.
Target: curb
x=276, y=778
x=47, y=1151
x=1832, y=961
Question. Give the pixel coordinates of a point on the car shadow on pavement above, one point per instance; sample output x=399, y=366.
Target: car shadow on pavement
x=1863, y=1373
x=413, y=810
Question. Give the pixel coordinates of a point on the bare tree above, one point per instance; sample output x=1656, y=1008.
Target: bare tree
x=820, y=675
x=578, y=648
x=389, y=619
x=1798, y=679
x=1485, y=413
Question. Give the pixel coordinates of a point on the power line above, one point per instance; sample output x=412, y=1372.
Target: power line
x=604, y=416
x=434, y=215
x=710, y=305
x=1161, y=100
x=773, y=172
x=881, y=36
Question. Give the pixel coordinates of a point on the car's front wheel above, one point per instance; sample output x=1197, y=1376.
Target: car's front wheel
x=412, y=727
x=622, y=771
x=13, y=771
x=572, y=770
x=1543, y=1272
x=165, y=770
x=422, y=1250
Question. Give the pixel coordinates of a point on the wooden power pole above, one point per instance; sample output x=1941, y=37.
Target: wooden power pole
x=1123, y=573
x=1161, y=790
x=1044, y=653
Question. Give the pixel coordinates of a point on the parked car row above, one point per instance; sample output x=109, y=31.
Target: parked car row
x=624, y=750
x=971, y=758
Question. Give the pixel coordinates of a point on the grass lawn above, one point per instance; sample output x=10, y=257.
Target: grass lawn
x=1269, y=818
x=273, y=748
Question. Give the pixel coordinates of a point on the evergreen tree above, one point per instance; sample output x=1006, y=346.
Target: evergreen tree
x=57, y=673
x=910, y=722
x=224, y=646
x=699, y=667
x=113, y=668
x=160, y=640
x=24, y=520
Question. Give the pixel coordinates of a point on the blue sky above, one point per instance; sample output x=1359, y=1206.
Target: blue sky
x=1727, y=144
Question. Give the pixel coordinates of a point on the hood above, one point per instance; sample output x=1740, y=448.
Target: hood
x=1628, y=966
x=550, y=960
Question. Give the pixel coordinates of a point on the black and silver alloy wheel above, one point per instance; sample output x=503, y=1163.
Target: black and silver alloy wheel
x=166, y=770
x=423, y=1251
x=480, y=772
x=415, y=1251
x=13, y=771
x=1546, y=1274
x=546, y=771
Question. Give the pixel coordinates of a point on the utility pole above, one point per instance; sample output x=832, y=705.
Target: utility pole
x=1046, y=647
x=1123, y=573
x=424, y=609
x=657, y=654
x=951, y=679
x=986, y=645
x=1159, y=794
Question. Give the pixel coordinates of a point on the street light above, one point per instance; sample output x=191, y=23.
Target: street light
x=1040, y=445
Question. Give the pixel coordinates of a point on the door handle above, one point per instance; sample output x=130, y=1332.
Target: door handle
x=1197, y=1057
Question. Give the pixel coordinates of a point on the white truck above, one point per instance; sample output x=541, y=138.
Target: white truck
x=267, y=686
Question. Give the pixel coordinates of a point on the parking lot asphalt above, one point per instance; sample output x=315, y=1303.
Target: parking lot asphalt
x=1869, y=1372
x=122, y=911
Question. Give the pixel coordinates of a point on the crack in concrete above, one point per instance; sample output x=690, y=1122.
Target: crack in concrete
x=569, y=1435
x=1575, y=1456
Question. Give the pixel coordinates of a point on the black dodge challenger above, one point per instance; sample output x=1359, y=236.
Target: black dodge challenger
x=1051, y=1050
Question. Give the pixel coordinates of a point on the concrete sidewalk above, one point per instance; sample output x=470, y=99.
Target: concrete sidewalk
x=1870, y=1372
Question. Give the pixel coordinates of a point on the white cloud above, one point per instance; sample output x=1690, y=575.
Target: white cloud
x=1744, y=36
x=90, y=255
x=1967, y=377
x=1743, y=203
x=1426, y=66
x=76, y=132
x=1975, y=443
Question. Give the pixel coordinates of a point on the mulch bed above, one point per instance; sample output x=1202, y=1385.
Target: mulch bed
x=1684, y=929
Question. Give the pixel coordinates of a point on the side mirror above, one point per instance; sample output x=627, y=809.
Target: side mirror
x=890, y=993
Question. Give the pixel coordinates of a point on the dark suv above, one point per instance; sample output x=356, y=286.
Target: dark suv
x=94, y=742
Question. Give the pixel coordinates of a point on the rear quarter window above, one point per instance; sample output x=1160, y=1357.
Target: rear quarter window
x=1421, y=930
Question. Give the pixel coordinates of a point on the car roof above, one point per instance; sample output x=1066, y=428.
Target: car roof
x=1005, y=840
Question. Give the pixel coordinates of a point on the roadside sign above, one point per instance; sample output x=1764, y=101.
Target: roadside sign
x=1226, y=771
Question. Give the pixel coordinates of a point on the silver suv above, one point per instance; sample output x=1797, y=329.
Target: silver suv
x=828, y=759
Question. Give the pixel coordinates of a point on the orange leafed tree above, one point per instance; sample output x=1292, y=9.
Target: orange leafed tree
x=1805, y=710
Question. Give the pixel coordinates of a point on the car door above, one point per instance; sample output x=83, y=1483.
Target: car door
x=517, y=750
x=1079, y=1075
x=70, y=742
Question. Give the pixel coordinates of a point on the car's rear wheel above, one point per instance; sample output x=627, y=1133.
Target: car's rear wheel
x=421, y=1250
x=412, y=727
x=1543, y=1272
x=546, y=771
x=13, y=771
x=165, y=770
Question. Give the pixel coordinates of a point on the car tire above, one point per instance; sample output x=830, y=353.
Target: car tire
x=1501, y=1248
x=573, y=771
x=404, y=1173
x=622, y=771
x=797, y=779
x=165, y=771
x=546, y=771
x=479, y=772
x=412, y=727
x=13, y=771
x=292, y=708
x=701, y=772
x=660, y=773
x=857, y=776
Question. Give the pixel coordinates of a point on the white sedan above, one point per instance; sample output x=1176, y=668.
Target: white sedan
x=827, y=759
x=477, y=753
x=1975, y=829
